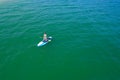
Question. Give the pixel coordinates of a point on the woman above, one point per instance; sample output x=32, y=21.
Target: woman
x=45, y=37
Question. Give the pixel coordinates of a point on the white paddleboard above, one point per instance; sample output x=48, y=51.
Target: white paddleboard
x=42, y=43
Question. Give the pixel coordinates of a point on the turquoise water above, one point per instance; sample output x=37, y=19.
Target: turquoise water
x=85, y=45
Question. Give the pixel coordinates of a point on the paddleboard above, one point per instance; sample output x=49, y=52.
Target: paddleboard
x=42, y=43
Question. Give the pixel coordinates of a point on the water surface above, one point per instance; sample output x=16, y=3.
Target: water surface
x=85, y=46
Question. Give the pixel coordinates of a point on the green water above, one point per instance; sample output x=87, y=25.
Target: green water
x=85, y=45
